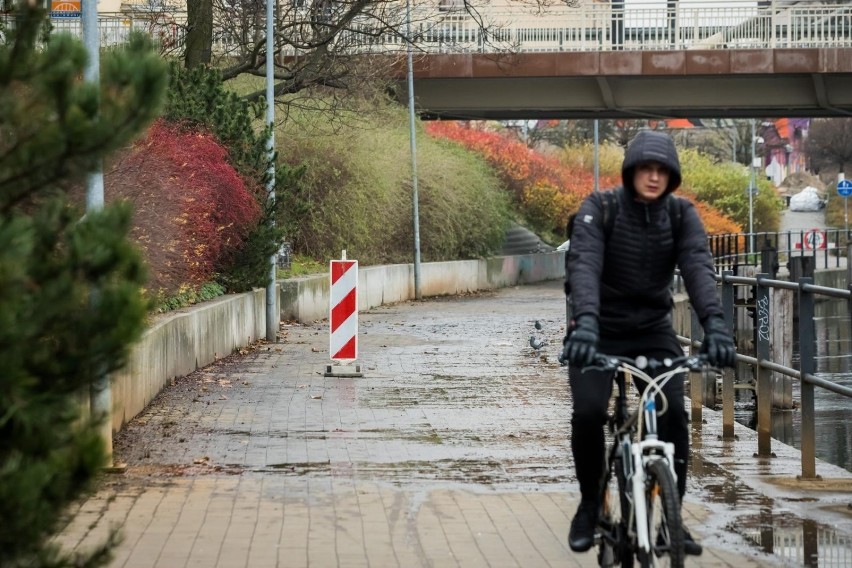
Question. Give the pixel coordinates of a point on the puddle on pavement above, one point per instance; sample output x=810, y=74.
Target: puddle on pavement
x=803, y=542
x=478, y=472
x=765, y=524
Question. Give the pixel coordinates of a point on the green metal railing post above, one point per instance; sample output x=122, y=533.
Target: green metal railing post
x=807, y=367
x=728, y=374
x=696, y=380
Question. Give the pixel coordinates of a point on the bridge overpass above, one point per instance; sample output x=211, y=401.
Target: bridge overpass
x=687, y=58
x=767, y=59
x=807, y=82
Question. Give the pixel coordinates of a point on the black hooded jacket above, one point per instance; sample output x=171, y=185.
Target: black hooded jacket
x=624, y=279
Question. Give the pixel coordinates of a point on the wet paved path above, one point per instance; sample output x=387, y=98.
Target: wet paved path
x=452, y=450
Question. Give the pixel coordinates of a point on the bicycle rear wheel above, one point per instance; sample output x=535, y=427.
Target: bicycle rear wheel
x=665, y=528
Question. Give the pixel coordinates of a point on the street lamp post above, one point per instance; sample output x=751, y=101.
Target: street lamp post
x=418, y=293
x=100, y=394
x=751, y=189
x=597, y=158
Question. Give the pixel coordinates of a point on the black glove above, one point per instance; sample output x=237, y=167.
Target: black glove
x=718, y=343
x=582, y=343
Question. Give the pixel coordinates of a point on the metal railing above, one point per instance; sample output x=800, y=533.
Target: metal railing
x=593, y=27
x=806, y=293
x=826, y=247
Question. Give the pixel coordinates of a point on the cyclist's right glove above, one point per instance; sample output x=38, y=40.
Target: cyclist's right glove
x=718, y=343
x=582, y=343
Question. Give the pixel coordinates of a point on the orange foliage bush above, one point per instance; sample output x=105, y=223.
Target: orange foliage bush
x=715, y=222
x=192, y=210
x=546, y=190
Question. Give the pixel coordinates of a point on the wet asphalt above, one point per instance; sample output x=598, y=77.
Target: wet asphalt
x=451, y=450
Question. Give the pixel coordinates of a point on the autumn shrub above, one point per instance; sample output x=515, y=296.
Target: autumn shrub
x=582, y=156
x=545, y=191
x=610, y=158
x=724, y=187
x=197, y=98
x=193, y=211
x=356, y=193
x=548, y=189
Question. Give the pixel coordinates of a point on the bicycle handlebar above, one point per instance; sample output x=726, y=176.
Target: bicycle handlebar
x=694, y=363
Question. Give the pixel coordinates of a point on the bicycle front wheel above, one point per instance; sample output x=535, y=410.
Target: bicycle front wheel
x=665, y=528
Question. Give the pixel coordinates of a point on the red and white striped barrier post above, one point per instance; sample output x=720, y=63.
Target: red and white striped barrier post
x=343, y=318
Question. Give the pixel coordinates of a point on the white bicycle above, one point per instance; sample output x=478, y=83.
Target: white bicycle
x=640, y=506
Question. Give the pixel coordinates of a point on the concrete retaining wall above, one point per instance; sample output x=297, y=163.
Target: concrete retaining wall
x=831, y=277
x=307, y=299
x=181, y=342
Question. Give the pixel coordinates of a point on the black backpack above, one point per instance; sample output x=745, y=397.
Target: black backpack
x=609, y=203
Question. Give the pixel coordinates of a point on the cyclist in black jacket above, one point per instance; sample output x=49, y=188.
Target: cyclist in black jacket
x=619, y=275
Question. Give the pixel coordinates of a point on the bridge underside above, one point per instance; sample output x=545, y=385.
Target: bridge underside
x=674, y=84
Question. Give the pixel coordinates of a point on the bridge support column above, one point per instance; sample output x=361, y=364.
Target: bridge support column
x=762, y=317
x=781, y=346
x=801, y=267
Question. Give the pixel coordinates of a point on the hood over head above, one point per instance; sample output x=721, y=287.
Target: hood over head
x=651, y=146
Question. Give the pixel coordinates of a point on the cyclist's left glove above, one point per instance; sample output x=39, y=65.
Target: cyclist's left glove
x=582, y=344
x=718, y=343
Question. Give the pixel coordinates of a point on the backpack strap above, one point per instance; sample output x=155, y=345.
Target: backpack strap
x=609, y=204
x=675, y=205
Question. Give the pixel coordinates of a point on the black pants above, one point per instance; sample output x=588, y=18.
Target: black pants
x=591, y=391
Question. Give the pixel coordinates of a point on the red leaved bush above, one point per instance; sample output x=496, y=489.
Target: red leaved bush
x=192, y=210
x=545, y=190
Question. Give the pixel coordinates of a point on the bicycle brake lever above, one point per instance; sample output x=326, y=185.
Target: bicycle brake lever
x=602, y=363
x=697, y=364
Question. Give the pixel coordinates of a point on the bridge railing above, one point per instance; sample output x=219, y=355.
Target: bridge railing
x=593, y=27
x=760, y=301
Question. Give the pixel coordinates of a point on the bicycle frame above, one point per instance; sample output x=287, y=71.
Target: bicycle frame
x=636, y=439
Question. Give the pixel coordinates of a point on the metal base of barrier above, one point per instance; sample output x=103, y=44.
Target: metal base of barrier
x=343, y=371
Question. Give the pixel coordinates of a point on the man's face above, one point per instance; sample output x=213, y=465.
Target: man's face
x=650, y=180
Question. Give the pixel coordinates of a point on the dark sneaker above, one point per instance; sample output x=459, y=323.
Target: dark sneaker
x=690, y=547
x=582, y=534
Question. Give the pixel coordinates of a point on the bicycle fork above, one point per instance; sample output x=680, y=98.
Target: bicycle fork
x=648, y=449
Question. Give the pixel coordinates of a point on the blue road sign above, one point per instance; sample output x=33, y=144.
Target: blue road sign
x=844, y=188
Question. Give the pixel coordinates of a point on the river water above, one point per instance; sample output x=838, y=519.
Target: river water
x=833, y=411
